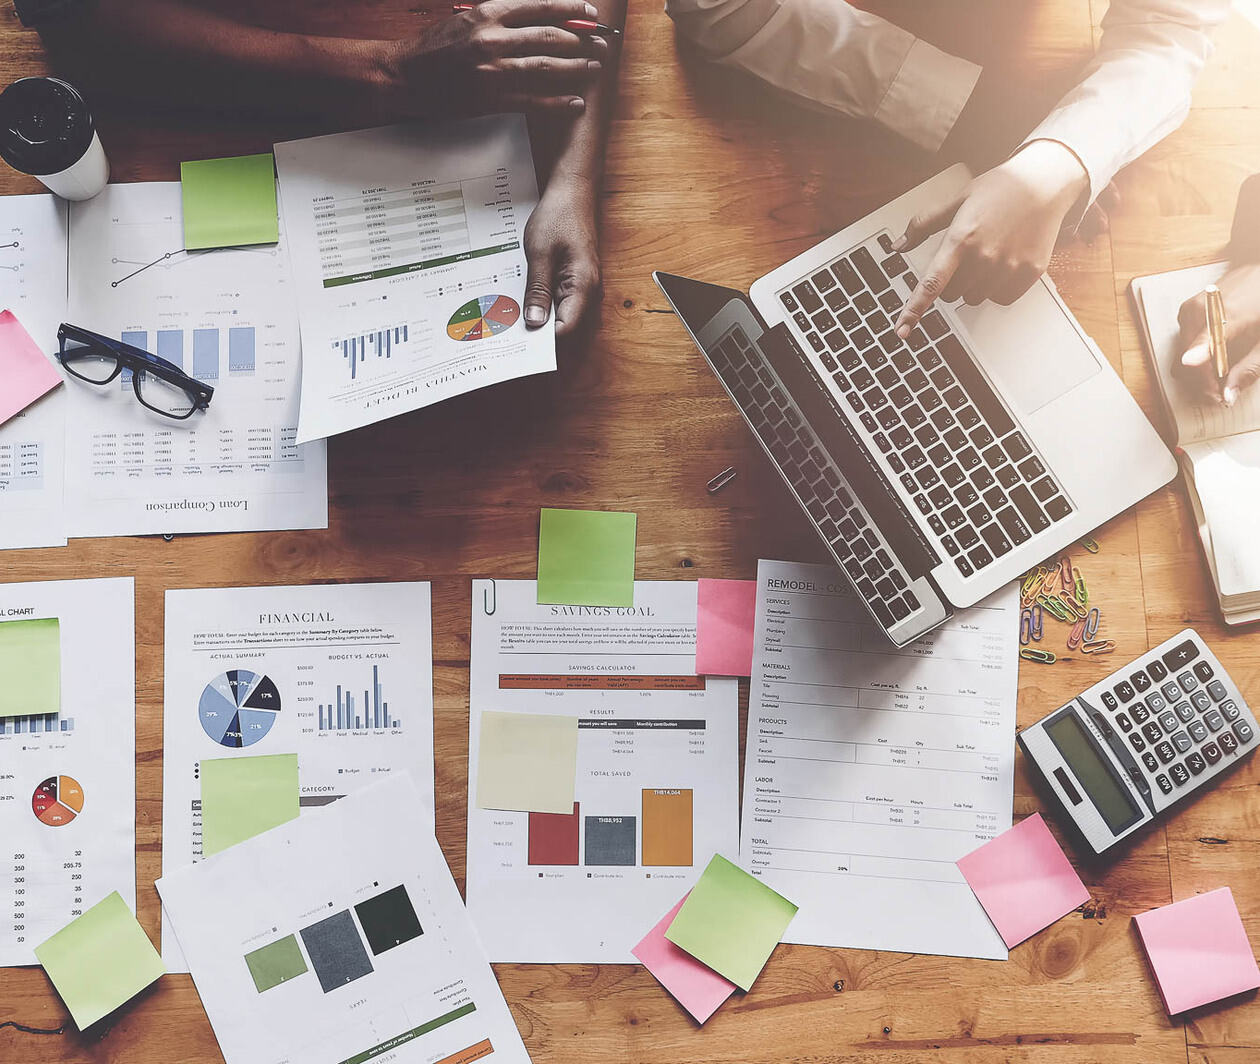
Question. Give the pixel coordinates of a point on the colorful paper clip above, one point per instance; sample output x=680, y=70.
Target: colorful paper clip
x=1068, y=598
x=1098, y=646
x=1065, y=571
x=1090, y=545
x=1038, y=626
x=1082, y=592
x=1092, y=620
x=1042, y=657
x=1076, y=636
x=1025, y=627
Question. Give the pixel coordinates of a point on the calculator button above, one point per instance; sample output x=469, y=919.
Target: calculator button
x=1187, y=681
x=1184, y=711
x=1228, y=743
x=1201, y=701
x=1198, y=731
x=1171, y=691
x=1141, y=681
x=1230, y=710
x=1203, y=671
x=1168, y=721
x=1157, y=702
x=1165, y=751
x=1212, y=752
x=1179, y=774
x=1152, y=731
x=1139, y=712
x=1126, y=725
x=1164, y=784
x=1139, y=744
x=1181, y=741
x=1217, y=690
x=1157, y=671
x=1244, y=732
x=1195, y=763
x=1181, y=655
x=1150, y=761
x=1109, y=700
x=1214, y=721
x=1125, y=691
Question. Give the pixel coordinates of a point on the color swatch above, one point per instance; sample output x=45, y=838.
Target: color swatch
x=388, y=920
x=276, y=963
x=336, y=951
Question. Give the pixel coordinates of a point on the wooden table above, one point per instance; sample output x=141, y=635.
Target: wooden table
x=710, y=176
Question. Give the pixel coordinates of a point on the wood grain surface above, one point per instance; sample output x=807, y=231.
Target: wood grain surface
x=709, y=175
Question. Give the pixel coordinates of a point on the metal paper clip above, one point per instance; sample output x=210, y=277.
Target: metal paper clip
x=1051, y=582
x=1082, y=592
x=1098, y=646
x=1090, y=545
x=1068, y=598
x=1054, y=606
x=1025, y=627
x=1065, y=571
x=721, y=480
x=1042, y=657
x=1076, y=635
x=1092, y=620
x=1038, y=622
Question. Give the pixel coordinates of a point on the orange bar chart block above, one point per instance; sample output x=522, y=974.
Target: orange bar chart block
x=667, y=828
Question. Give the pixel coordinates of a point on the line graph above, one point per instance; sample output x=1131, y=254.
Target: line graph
x=171, y=259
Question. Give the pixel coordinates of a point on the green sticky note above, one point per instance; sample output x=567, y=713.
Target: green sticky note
x=527, y=762
x=100, y=960
x=731, y=921
x=229, y=202
x=586, y=558
x=244, y=796
x=30, y=662
x=276, y=963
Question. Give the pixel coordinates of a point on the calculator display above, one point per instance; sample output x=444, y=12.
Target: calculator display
x=1095, y=775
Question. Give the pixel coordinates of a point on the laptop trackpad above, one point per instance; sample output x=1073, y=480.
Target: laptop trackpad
x=1030, y=349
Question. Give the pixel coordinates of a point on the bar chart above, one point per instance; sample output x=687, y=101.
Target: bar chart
x=347, y=713
x=658, y=835
x=206, y=350
x=379, y=342
x=42, y=724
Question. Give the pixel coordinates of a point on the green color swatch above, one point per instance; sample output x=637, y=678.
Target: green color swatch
x=244, y=796
x=100, y=960
x=731, y=921
x=229, y=202
x=277, y=963
x=30, y=662
x=586, y=558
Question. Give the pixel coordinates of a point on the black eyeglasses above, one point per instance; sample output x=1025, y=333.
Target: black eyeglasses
x=160, y=386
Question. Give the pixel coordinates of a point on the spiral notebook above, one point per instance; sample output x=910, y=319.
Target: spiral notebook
x=1217, y=447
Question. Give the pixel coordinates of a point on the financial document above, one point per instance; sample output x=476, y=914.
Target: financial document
x=67, y=779
x=340, y=938
x=409, y=264
x=340, y=674
x=657, y=789
x=870, y=770
x=33, y=287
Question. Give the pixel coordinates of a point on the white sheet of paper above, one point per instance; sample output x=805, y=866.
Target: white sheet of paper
x=366, y=974
x=410, y=271
x=68, y=781
x=1227, y=479
x=245, y=650
x=869, y=771
x=227, y=317
x=33, y=286
x=657, y=771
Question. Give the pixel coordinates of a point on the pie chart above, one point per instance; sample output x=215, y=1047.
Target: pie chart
x=57, y=801
x=483, y=317
x=238, y=707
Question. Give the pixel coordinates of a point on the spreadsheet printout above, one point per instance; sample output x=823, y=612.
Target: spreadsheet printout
x=870, y=770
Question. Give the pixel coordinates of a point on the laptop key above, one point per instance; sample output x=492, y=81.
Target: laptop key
x=968, y=537
x=939, y=456
x=888, y=418
x=901, y=437
x=980, y=557
x=894, y=461
x=927, y=436
x=835, y=340
x=956, y=440
x=903, y=361
x=931, y=400
x=894, y=265
x=927, y=476
x=836, y=300
x=881, y=441
x=914, y=457
x=968, y=459
x=882, y=613
x=968, y=373
x=938, y=528
x=950, y=544
x=846, y=275
x=861, y=338
x=940, y=497
x=942, y=378
x=823, y=280
x=815, y=341
x=1032, y=469
x=886, y=242
x=909, y=483
x=934, y=325
x=849, y=319
x=899, y=609
x=862, y=378
x=916, y=341
x=981, y=437
x=929, y=359
x=967, y=496
x=981, y=478
x=808, y=298
x=963, y=566
x=954, y=518
x=978, y=515
x=1028, y=508
x=877, y=323
x=955, y=398
x=870, y=271
x=823, y=320
x=1058, y=508
x=887, y=376
x=1044, y=489
x=994, y=498
x=864, y=302
x=1017, y=447
x=891, y=302
x=914, y=415
x=968, y=418
x=996, y=540
x=952, y=475
x=916, y=380
x=789, y=301
x=922, y=503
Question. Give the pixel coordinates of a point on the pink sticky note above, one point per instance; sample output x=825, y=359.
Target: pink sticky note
x=724, y=627
x=25, y=374
x=1198, y=950
x=1023, y=880
x=698, y=988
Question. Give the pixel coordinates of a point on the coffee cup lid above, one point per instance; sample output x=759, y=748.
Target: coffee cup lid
x=45, y=126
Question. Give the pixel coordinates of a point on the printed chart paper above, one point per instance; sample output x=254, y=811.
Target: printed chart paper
x=657, y=771
x=68, y=779
x=228, y=318
x=33, y=253
x=347, y=942
x=340, y=674
x=409, y=265
x=869, y=771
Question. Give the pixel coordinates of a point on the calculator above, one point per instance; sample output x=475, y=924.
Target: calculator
x=1142, y=740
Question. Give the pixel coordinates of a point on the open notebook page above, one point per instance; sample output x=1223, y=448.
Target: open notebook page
x=1227, y=480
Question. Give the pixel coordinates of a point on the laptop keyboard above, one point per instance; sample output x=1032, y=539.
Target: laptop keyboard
x=941, y=428
x=879, y=579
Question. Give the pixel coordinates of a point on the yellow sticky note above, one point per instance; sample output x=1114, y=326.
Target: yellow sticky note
x=528, y=762
x=244, y=796
x=100, y=960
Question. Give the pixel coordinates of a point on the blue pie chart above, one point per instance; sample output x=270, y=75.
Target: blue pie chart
x=238, y=707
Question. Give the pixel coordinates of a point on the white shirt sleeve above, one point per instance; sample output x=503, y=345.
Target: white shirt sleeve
x=1137, y=88
x=828, y=53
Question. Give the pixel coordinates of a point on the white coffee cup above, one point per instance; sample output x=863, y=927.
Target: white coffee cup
x=47, y=131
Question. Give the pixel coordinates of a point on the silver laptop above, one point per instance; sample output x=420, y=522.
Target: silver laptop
x=939, y=468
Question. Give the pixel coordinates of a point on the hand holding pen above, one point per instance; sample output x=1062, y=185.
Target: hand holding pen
x=1220, y=335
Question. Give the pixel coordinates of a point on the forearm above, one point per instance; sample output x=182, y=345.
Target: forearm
x=198, y=56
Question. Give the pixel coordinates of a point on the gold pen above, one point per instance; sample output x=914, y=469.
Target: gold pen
x=1217, y=345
